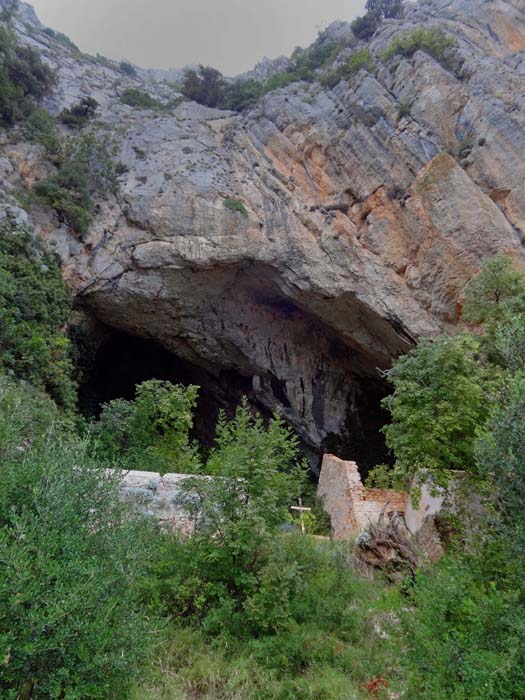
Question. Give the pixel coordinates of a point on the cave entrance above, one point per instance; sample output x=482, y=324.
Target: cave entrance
x=122, y=361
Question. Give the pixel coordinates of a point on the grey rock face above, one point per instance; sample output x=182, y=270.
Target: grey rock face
x=368, y=207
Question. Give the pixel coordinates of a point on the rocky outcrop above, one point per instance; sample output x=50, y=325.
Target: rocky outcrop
x=368, y=206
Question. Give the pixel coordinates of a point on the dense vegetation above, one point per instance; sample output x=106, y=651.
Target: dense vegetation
x=85, y=170
x=96, y=603
x=24, y=79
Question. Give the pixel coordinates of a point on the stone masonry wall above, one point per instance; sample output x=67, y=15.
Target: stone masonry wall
x=351, y=505
x=159, y=497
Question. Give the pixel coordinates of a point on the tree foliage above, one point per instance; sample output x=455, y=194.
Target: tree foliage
x=439, y=401
x=34, y=309
x=385, y=9
x=24, y=79
x=70, y=560
x=86, y=170
x=496, y=292
x=152, y=431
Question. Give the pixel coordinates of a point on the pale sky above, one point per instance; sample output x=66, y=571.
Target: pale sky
x=231, y=35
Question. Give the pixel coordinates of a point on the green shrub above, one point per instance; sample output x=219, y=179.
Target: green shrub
x=127, y=68
x=79, y=114
x=385, y=9
x=235, y=206
x=66, y=205
x=433, y=41
x=242, y=94
x=496, y=292
x=440, y=399
x=365, y=27
x=85, y=170
x=205, y=86
x=152, y=431
x=34, y=308
x=139, y=98
x=61, y=38
x=41, y=127
x=24, y=79
x=70, y=562
x=361, y=59
x=465, y=632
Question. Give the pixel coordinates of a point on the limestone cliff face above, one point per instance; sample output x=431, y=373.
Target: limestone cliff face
x=369, y=206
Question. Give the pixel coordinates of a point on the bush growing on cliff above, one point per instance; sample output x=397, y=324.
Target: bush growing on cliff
x=385, y=9
x=85, y=170
x=433, y=41
x=205, y=86
x=41, y=127
x=71, y=625
x=34, y=308
x=361, y=59
x=79, y=114
x=139, y=98
x=24, y=79
x=235, y=206
x=496, y=292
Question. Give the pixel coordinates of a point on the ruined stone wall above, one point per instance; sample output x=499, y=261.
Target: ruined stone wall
x=160, y=497
x=350, y=505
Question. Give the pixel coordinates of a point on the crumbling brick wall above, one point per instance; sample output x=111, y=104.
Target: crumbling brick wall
x=349, y=503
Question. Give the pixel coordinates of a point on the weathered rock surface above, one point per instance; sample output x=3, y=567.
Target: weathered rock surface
x=362, y=225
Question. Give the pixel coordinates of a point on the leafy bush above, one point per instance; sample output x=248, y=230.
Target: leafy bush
x=365, y=27
x=41, y=127
x=385, y=9
x=152, y=431
x=85, y=170
x=361, y=59
x=24, y=79
x=205, y=86
x=127, y=68
x=440, y=399
x=433, y=41
x=242, y=94
x=139, y=98
x=34, y=308
x=235, y=206
x=214, y=576
x=496, y=292
x=70, y=561
x=61, y=38
x=79, y=114
x=465, y=632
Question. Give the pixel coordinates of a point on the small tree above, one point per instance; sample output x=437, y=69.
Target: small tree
x=387, y=9
x=497, y=290
x=255, y=475
x=79, y=114
x=71, y=557
x=438, y=404
x=152, y=431
x=366, y=26
x=205, y=86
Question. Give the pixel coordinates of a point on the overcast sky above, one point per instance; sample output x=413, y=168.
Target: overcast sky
x=231, y=35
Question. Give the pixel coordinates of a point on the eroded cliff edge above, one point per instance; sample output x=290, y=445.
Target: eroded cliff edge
x=368, y=207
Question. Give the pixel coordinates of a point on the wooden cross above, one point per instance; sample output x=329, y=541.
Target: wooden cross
x=301, y=511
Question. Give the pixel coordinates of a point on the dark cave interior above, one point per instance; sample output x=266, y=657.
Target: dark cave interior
x=121, y=361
